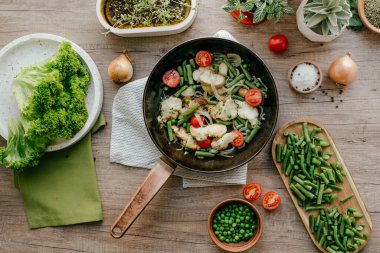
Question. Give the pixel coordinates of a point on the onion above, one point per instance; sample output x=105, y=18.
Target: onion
x=216, y=93
x=343, y=70
x=207, y=115
x=228, y=151
x=120, y=69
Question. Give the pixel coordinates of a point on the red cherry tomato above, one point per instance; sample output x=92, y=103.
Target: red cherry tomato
x=239, y=140
x=171, y=78
x=252, y=191
x=203, y=58
x=271, y=200
x=206, y=143
x=278, y=43
x=254, y=97
x=195, y=123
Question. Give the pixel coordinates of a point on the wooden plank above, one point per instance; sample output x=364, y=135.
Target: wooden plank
x=349, y=188
x=176, y=219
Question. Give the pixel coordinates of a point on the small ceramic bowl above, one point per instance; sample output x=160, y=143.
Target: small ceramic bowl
x=294, y=87
x=241, y=246
x=364, y=18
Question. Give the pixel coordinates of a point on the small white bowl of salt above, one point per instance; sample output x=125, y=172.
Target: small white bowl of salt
x=305, y=77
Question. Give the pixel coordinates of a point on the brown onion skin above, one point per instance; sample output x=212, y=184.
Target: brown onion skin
x=120, y=69
x=344, y=70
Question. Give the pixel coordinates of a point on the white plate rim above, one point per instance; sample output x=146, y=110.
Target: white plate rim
x=95, y=76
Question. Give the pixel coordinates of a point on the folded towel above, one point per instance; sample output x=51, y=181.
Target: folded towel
x=62, y=189
x=128, y=124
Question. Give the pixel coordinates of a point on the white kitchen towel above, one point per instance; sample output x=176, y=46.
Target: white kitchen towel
x=132, y=146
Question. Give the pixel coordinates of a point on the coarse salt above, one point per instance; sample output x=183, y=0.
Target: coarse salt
x=305, y=76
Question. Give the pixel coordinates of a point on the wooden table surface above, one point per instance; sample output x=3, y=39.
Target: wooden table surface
x=175, y=221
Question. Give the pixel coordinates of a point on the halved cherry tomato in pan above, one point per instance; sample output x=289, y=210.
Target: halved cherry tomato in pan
x=271, y=200
x=195, y=122
x=252, y=191
x=254, y=97
x=206, y=143
x=239, y=140
x=203, y=58
x=171, y=78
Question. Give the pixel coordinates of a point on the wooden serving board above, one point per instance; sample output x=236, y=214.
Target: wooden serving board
x=348, y=185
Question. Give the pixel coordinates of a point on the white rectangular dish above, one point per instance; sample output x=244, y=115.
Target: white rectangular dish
x=146, y=31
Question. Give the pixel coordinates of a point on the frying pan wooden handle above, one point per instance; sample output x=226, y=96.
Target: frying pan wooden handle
x=149, y=188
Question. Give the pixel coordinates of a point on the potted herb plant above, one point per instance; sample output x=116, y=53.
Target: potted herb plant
x=250, y=12
x=323, y=20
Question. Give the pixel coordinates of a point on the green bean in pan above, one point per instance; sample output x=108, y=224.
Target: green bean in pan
x=179, y=92
x=249, y=84
x=236, y=97
x=252, y=134
x=189, y=74
x=170, y=131
x=222, y=122
x=212, y=102
x=185, y=76
x=185, y=116
x=192, y=63
x=180, y=70
x=246, y=73
x=204, y=154
x=230, y=67
x=235, y=80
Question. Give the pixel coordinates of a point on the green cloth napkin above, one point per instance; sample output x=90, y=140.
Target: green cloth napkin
x=62, y=189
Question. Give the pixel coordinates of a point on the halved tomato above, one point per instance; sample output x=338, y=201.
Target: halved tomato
x=252, y=191
x=254, y=97
x=171, y=78
x=195, y=122
x=206, y=143
x=203, y=58
x=239, y=140
x=271, y=200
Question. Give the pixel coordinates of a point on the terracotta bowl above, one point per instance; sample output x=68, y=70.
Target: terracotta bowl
x=241, y=246
x=364, y=18
x=291, y=84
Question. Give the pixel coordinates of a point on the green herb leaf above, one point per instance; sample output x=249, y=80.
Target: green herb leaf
x=355, y=23
x=354, y=4
x=229, y=8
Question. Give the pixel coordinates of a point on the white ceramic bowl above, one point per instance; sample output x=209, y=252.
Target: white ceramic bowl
x=32, y=49
x=146, y=31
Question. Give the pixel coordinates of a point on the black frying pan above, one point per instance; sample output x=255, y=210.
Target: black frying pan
x=173, y=157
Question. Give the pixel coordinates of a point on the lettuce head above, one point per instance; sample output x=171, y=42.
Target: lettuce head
x=51, y=97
